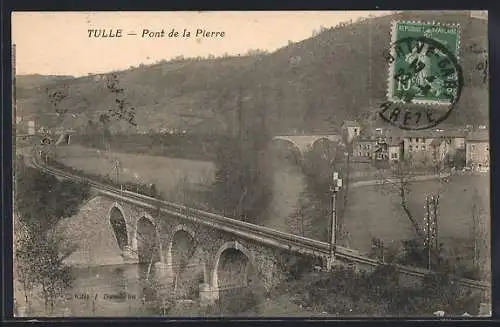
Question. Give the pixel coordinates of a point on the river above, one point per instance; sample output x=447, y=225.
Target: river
x=288, y=182
x=128, y=290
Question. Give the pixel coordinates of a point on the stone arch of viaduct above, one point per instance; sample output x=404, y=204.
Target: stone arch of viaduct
x=209, y=246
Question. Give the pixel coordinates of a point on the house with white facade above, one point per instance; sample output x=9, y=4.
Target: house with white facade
x=477, y=150
x=350, y=130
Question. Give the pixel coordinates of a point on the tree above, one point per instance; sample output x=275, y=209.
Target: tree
x=21, y=273
x=55, y=97
x=41, y=202
x=40, y=263
x=378, y=249
x=123, y=110
x=457, y=160
x=397, y=180
x=241, y=183
x=242, y=178
x=297, y=220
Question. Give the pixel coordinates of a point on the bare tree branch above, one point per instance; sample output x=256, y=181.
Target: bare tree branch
x=397, y=181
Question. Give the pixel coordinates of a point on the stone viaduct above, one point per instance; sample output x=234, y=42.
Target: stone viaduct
x=203, y=258
x=203, y=253
x=204, y=261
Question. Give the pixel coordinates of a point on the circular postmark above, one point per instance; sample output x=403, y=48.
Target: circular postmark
x=425, y=83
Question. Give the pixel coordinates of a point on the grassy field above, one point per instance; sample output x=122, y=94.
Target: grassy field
x=170, y=175
x=374, y=213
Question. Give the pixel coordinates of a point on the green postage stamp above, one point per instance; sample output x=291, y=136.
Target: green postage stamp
x=423, y=63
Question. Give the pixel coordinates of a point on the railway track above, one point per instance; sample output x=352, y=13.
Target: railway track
x=290, y=242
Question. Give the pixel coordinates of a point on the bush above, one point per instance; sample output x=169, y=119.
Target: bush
x=296, y=266
x=344, y=291
x=383, y=282
x=240, y=302
x=457, y=160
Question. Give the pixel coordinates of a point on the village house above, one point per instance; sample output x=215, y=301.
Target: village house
x=375, y=146
x=381, y=152
x=417, y=145
x=364, y=147
x=26, y=127
x=427, y=147
x=350, y=130
x=387, y=147
x=477, y=150
x=455, y=138
x=430, y=147
x=440, y=148
x=394, y=149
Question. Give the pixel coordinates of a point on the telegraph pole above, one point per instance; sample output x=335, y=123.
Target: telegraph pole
x=344, y=196
x=431, y=226
x=436, y=229
x=427, y=231
x=334, y=188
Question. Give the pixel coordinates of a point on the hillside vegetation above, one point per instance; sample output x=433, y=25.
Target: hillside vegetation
x=311, y=85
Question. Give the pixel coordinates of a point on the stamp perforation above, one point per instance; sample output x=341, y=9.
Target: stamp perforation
x=436, y=23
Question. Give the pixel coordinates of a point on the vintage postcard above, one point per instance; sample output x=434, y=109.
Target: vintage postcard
x=251, y=164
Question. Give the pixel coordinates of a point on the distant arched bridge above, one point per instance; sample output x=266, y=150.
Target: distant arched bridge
x=304, y=143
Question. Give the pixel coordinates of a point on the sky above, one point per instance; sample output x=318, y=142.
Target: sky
x=58, y=43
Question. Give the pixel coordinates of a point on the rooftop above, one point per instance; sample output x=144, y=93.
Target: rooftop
x=434, y=133
x=478, y=136
x=395, y=141
x=351, y=123
x=365, y=138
